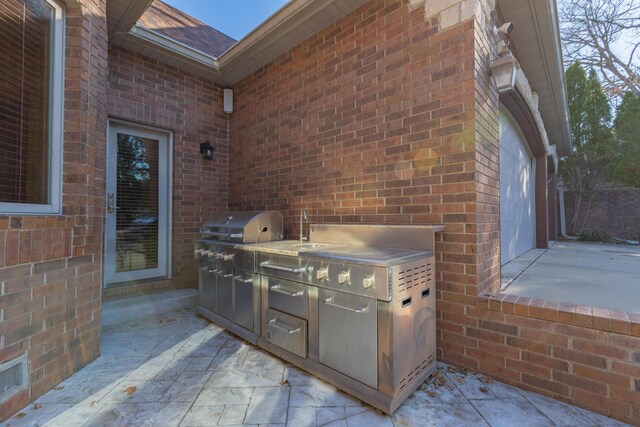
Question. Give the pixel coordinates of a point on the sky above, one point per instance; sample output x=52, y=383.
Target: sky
x=235, y=18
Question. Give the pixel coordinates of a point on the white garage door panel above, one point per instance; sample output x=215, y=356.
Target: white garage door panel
x=517, y=222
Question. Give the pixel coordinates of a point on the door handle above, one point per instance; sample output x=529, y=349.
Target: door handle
x=329, y=301
x=278, y=289
x=241, y=280
x=297, y=270
x=111, y=203
x=273, y=323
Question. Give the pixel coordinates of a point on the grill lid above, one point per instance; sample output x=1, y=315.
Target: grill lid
x=244, y=227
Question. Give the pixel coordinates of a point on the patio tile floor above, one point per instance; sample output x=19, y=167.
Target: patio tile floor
x=177, y=369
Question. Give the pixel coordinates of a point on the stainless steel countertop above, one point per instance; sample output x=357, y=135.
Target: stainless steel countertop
x=367, y=255
x=357, y=254
x=286, y=247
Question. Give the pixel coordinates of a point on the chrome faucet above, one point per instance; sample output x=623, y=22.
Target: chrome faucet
x=303, y=217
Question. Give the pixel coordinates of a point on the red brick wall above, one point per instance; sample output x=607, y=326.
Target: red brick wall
x=145, y=91
x=614, y=210
x=50, y=266
x=371, y=120
x=582, y=355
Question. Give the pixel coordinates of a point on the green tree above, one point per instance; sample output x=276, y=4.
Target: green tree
x=626, y=166
x=587, y=168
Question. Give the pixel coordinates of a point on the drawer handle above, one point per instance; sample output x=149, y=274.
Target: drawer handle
x=278, y=289
x=329, y=301
x=273, y=323
x=296, y=270
x=241, y=280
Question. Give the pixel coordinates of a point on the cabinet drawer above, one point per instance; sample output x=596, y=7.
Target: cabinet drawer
x=289, y=297
x=287, y=332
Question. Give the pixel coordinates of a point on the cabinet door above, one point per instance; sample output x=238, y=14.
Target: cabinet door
x=289, y=297
x=348, y=336
x=207, y=286
x=243, y=299
x=287, y=332
x=224, y=292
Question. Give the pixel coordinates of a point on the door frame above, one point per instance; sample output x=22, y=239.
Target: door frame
x=167, y=230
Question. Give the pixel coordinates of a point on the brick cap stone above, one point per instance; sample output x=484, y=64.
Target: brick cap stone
x=453, y=12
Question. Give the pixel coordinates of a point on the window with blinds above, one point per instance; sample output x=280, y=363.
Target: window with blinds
x=137, y=209
x=30, y=120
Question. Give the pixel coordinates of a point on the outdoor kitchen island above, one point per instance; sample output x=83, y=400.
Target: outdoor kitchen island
x=354, y=306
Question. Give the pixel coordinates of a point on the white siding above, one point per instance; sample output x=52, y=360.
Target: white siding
x=517, y=220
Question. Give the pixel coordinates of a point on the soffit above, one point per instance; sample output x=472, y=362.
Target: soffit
x=536, y=40
x=123, y=14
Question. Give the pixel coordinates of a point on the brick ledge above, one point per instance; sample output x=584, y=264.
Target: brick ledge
x=603, y=319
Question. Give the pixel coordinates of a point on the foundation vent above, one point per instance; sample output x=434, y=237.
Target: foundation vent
x=416, y=274
x=13, y=377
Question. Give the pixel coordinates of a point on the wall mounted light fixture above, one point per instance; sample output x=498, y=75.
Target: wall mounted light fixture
x=206, y=149
x=504, y=71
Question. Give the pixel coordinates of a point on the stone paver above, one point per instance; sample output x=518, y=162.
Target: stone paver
x=177, y=369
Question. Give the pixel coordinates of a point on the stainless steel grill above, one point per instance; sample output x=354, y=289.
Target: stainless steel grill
x=229, y=289
x=244, y=227
x=355, y=305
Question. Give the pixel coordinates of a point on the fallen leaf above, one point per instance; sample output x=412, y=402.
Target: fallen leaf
x=93, y=402
x=216, y=414
x=452, y=369
x=19, y=415
x=60, y=387
x=431, y=393
x=484, y=389
x=485, y=379
x=37, y=405
x=284, y=383
x=130, y=390
x=167, y=320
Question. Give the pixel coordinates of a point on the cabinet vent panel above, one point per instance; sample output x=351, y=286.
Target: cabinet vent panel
x=420, y=274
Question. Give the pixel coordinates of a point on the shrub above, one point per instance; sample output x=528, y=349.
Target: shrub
x=594, y=235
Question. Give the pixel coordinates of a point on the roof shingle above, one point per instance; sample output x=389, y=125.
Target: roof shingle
x=177, y=25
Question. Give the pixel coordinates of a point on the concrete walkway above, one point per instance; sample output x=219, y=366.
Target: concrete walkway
x=174, y=368
x=591, y=274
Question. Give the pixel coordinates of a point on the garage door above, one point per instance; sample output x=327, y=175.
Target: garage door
x=517, y=221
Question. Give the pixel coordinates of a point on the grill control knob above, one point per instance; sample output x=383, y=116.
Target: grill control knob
x=368, y=281
x=210, y=254
x=343, y=277
x=227, y=257
x=219, y=255
x=322, y=273
x=199, y=251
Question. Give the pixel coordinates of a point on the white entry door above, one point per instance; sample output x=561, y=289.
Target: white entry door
x=137, y=241
x=517, y=214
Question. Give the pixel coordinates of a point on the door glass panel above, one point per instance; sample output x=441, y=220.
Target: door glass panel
x=137, y=203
